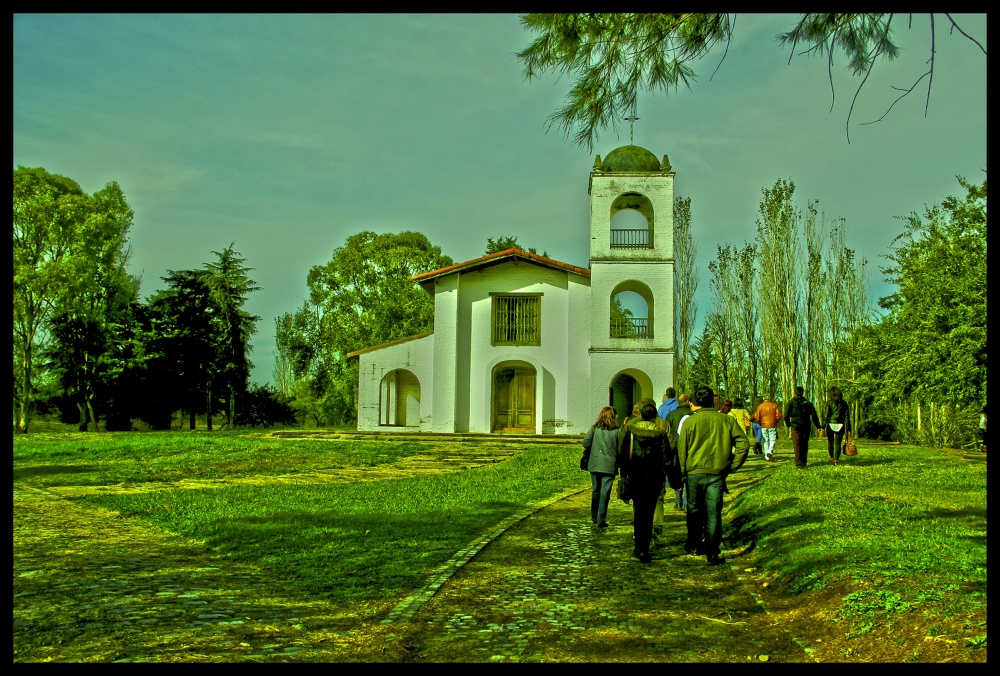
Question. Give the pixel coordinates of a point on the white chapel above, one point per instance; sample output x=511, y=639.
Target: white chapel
x=526, y=344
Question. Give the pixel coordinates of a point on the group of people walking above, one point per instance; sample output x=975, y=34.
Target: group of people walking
x=690, y=444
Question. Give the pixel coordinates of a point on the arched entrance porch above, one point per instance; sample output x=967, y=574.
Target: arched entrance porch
x=626, y=389
x=399, y=399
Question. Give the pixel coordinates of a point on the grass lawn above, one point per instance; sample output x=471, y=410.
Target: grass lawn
x=330, y=540
x=892, y=539
x=899, y=531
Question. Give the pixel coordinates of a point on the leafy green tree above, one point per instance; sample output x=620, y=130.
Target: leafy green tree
x=930, y=368
x=364, y=296
x=504, y=242
x=621, y=317
x=229, y=285
x=68, y=248
x=613, y=56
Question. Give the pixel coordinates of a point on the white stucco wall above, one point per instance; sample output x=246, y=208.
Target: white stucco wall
x=415, y=356
x=657, y=188
x=553, y=360
x=446, y=295
x=610, y=268
x=658, y=367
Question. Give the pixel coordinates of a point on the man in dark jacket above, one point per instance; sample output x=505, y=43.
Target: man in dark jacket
x=799, y=413
x=643, y=452
x=705, y=452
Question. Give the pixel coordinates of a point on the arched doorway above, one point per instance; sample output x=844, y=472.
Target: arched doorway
x=399, y=399
x=626, y=389
x=513, y=397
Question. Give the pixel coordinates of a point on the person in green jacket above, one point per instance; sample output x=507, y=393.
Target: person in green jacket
x=705, y=452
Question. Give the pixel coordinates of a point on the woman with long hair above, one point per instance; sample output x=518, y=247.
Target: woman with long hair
x=837, y=423
x=601, y=445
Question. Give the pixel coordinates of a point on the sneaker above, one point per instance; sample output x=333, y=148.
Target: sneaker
x=645, y=558
x=715, y=560
x=694, y=551
x=769, y=458
x=603, y=524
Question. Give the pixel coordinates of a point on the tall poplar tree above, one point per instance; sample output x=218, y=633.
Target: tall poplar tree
x=780, y=259
x=685, y=286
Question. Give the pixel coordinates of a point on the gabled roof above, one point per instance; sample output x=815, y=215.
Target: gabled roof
x=426, y=279
x=407, y=339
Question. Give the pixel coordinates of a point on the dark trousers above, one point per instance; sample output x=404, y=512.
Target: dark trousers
x=600, y=495
x=834, y=441
x=704, y=515
x=644, y=505
x=800, y=446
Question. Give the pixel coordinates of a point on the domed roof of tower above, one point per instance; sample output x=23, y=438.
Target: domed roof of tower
x=631, y=158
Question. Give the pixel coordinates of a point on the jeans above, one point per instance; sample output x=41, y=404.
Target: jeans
x=704, y=515
x=600, y=496
x=770, y=435
x=834, y=440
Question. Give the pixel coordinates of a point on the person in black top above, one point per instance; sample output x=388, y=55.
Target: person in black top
x=836, y=422
x=798, y=415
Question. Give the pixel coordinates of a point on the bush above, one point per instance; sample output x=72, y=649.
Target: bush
x=262, y=407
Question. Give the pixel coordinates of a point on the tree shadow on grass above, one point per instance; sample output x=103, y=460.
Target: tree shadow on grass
x=861, y=461
x=346, y=556
x=48, y=470
x=746, y=530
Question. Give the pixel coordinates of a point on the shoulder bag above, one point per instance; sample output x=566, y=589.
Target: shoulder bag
x=850, y=448
x=624, y=489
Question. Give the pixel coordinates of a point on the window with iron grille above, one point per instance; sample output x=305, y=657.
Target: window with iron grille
x=517, y=319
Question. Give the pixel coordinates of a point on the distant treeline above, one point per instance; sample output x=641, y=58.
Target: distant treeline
x=87, y=348
x=792, y=307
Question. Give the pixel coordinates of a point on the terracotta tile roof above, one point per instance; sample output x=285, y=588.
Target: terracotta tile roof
x=357, y=353
x=425, y=278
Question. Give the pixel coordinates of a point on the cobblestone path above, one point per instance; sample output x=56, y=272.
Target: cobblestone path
x=556, y=588
x=91, y=585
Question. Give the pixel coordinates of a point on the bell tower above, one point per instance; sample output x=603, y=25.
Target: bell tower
x=631, y=258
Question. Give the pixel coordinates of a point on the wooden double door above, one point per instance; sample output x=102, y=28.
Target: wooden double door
x=514, y=398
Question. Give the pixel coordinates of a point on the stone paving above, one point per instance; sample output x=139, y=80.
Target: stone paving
x=543, y=585
x=556, y=588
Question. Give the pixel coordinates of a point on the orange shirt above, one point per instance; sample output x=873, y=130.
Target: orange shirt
x=767, y=414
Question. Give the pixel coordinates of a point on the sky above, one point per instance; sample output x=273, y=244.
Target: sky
x=286, y=134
